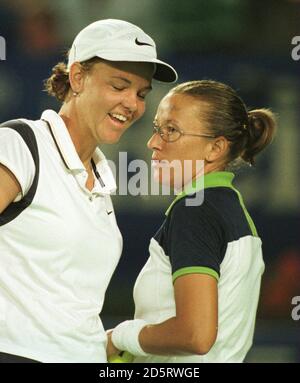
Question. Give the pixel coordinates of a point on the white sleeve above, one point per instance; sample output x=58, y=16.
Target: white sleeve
x=16, y=156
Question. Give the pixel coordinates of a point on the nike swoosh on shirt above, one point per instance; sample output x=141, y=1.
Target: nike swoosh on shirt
x=141, y=43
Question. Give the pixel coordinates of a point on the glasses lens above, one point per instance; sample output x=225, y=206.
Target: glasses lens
x=167, y=133
x=170, y=134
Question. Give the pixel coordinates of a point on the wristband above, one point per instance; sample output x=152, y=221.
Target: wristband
x=125, y=336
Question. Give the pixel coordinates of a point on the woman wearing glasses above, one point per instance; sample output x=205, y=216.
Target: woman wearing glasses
x=196, y=298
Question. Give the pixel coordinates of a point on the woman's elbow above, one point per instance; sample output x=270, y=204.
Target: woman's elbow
x=202, y=348
x=201, y=345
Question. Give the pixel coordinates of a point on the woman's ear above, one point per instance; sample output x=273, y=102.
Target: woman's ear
x=217, y=149
x=76, y=77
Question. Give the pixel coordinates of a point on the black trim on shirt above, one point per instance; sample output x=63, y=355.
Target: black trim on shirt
x=16, y=208
x=97, y=173
x=56, y=144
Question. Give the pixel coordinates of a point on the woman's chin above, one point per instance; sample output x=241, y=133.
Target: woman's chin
x=165, y=179
x=112, y=138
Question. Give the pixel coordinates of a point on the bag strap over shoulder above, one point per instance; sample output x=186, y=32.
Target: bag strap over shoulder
x=27, y=134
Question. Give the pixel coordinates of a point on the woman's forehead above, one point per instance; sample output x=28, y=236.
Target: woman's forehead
x=140, y=69
x=180, y=104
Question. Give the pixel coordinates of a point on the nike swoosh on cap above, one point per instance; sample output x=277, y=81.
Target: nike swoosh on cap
x=141, y=43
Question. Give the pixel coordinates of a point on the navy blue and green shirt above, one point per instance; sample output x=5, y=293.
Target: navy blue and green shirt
x=218, y=238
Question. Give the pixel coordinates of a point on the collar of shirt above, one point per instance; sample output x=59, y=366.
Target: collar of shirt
x=106, y=183
x=209, y=180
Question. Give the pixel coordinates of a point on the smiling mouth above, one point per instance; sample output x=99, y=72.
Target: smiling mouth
x=118, y=118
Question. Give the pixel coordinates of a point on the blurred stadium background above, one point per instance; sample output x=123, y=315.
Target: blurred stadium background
x=245, y=43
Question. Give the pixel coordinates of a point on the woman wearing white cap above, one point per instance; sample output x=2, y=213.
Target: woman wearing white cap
x=59, y=241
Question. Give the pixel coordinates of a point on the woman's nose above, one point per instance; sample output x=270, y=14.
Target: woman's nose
x=155, y=142
x=130, y=101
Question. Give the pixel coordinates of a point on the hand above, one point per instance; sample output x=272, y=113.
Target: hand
x=110, y=348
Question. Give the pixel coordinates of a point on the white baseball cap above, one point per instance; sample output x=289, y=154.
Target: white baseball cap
x=118, y=40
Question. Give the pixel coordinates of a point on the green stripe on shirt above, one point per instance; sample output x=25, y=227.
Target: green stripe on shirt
x=195, y=270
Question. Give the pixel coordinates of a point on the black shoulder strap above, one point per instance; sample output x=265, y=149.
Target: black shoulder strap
x=16, y=208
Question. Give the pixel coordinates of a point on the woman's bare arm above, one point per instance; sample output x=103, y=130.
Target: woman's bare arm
x=9, y=187
x=194, y=329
